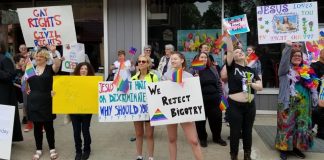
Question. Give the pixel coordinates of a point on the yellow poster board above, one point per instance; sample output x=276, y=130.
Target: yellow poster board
x=75, y=94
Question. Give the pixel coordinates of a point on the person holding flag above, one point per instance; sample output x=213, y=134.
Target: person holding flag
x=243, y=81
x=39, y=107
x=212, y=92
x=144, y=73
x=178, y=63
x=121, y=67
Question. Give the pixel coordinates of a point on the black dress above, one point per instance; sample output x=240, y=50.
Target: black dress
x=39, y=106
x=8, y=94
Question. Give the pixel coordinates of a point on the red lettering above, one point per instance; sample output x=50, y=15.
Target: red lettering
x=35, y=35
x=57, y=20
x=35, y=13
x=30, y=23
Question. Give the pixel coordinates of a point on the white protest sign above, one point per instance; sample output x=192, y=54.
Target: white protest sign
x=116, y=106
x=43, y=26
x=171, y=103
x=6, y=130
x=294, y=22
x=73, y=54
x=237, y=24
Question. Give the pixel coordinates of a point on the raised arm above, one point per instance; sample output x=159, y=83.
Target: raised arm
x=284, y=61
x=230, y=56
x=56, y=60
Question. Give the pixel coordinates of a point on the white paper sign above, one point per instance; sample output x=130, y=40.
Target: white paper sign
x=73, y=54
x=237, y=24
x=116, y=106
x=294, y=22
x=47, y=25
x=6, y=130
x=171, y=103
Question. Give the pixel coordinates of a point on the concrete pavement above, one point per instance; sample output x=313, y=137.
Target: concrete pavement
x=111, y=141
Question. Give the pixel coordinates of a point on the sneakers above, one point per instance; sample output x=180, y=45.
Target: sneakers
x=139, y=158
x=203, y=143
x=220, y=142
x=283, y=155
x=28, y=126
x=298, y=153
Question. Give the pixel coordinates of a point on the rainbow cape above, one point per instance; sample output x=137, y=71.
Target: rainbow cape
x=198, y=65
x=177, y=76
x=223, y=104
x=251, y=59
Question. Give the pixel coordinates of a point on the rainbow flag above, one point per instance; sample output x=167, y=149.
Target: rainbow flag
x=251, y=59
x=220, y=44
x=198, y=65
x=177, y=76
x=30, y=70
x=223, y=104
x=118, y=78
x=123, y=86
x=132, y=51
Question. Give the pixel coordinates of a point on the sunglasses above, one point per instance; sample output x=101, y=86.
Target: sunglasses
x=142, y=62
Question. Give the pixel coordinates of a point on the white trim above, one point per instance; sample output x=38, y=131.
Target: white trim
x=266, y=112
x=105, y=39
x=269, y=91
x=143, y=24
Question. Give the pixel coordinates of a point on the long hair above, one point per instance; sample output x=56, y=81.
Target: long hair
x=77, y=69
x=209, y=63
x=181, y=56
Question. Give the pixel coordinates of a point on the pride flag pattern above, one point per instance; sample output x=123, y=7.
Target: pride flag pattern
x=177, y=76
x=158, y=116
x=223, y=104
x=198, y=65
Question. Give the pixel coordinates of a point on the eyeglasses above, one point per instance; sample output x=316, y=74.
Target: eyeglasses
x=142, y=62
x=148, y=50
x=297, y=56
x=297, y=45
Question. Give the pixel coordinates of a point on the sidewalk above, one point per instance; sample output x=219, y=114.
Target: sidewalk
x=111, y=141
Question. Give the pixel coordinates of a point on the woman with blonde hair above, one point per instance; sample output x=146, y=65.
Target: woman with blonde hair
x=39, y=107
x=144, y=73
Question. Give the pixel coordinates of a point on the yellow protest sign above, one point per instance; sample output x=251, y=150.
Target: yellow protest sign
x=75, y=94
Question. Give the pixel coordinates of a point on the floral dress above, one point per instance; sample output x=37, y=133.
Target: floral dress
x=294, y=124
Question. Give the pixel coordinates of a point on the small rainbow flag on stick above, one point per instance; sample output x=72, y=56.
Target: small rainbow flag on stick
x=198, y=65
x=30, y=70
x=223, y=104
x=132, y=51
x=177, y=76
x=251, y=59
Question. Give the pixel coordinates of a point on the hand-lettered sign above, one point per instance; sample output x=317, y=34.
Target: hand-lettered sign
x=43, y=26
x=237, y=24
x=75, y=94
x=73, y=54
x=117, y=106
x=6, y=130
x=294, y=22
x=171, y=103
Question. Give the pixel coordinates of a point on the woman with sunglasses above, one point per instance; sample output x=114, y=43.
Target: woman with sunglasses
x=243, y=82
x=297, y=95
x=144, y=73
x=178, y=62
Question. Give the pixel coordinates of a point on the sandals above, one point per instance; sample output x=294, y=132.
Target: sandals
x=37, y=155
x=53, y=154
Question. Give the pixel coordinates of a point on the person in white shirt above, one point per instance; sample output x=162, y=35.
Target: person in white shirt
x=165, y=63
x=125, y=73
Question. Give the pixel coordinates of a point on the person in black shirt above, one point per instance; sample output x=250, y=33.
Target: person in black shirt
x=19, y=62
x=318, y=115
x=242, y=83
x=212, y=92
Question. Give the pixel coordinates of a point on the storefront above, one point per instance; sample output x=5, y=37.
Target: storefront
x=108, y=26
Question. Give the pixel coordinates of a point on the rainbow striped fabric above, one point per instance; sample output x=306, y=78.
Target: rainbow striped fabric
x=132, y=51
x=198, y=65
x=177, y=76
x=30, y=70
x=123, y=86
x=223, y=104
x=251, y=59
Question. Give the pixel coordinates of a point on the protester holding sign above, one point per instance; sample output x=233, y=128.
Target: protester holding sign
x=243, y=81
x=39, y=107
x=297, y=95
x=7, y=90
x=178, y=62
x=318, y=115
x=212, y=92
x=144, y=66
x=81, y=122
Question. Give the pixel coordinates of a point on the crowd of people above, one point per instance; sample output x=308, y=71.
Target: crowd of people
x=297, y=112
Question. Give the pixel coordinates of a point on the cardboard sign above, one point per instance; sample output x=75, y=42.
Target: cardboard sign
x=116, y=106
x=73, y=54
x=43, y=26
x=237, y=24
x=314, y=47
x=294, y=22
x=171, y=103
x=6, y=129
x=75, y=94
